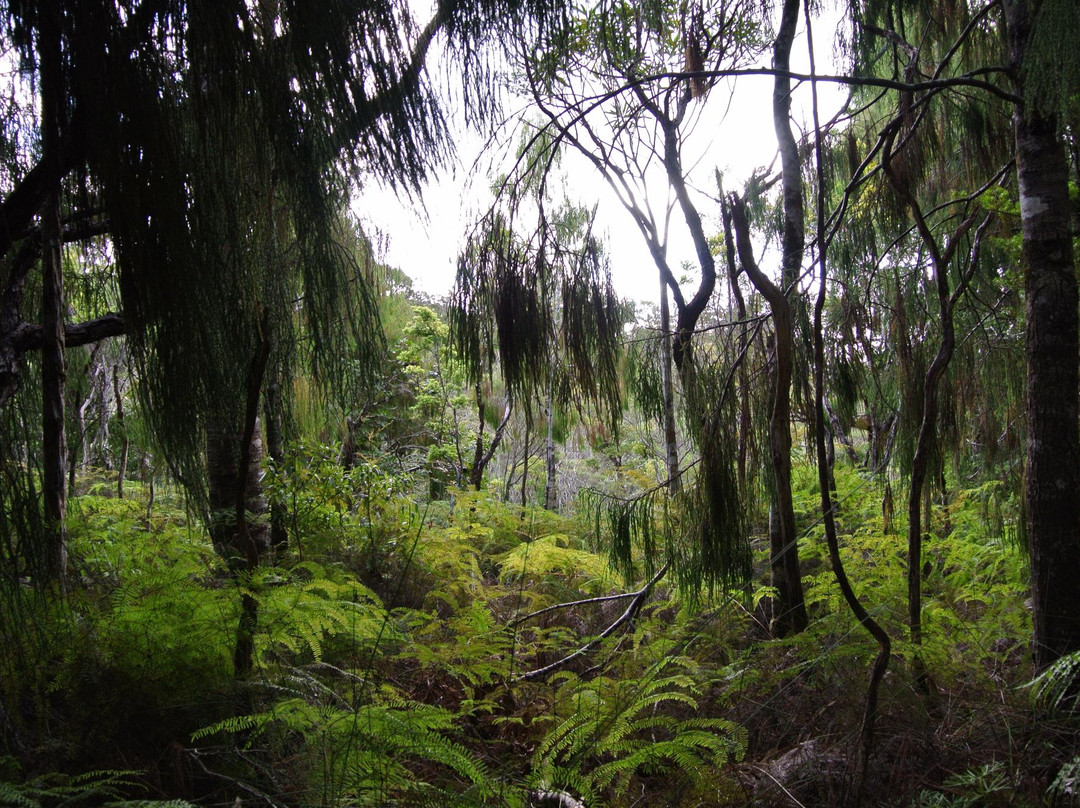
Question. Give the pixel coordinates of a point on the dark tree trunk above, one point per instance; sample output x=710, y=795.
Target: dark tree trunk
x=551, y=494
x=481, y=458
x=53, y=370
x=745, y=423
x=125, y=446
x=275, y=448
x=791, y=616
x=671, y=443
x=1053, y=443
x=1052, y=491
x=223, y=459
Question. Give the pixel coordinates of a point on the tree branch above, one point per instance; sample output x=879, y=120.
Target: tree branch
x=28, y=336
x=625, y=617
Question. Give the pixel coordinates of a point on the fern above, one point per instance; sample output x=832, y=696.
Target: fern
x=55, y=789
x=301, y=608
x=615, y=730
x=1056, y=687
x=1065, y=790
x=386, y=750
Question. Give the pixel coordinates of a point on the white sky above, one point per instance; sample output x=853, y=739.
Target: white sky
x=735, y=134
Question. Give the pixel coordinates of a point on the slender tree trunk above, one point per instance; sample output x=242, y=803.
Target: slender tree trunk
x=249, y=497
x=481, y=458
x=53, y=369
x=825, y=477
x=525, y=466
x=125, y=446
x=784, y=552
x=791, y=616
x=745, y=423
x=671, y=444
x=1053, y=367
x=551, y=494
x=275, y=448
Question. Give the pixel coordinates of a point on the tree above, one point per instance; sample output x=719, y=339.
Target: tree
x=612, y=88
x=214, y=158
x=541, y=311
x=1046, y=68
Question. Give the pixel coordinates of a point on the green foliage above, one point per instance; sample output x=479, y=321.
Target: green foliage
x=1056, y=688
x=987, y=785
x=973, y=584
x=609, y=731
x=1065, y=790
x=555, y=562
x=97, y=788
x=387, y=751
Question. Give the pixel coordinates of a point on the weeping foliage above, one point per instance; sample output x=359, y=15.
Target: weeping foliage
x=703, y=531
x=217, y=152
x=718, y=553
x=541, y=311
x=644, y=381
x=940, y=140
x=1051, y=69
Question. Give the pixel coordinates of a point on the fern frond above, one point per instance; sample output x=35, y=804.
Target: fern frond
x=1056, y=688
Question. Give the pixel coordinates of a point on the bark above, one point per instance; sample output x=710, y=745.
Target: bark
x=840, y=434
x=925, y=443
x=28, y=337
x=671, y=444
x=53, y=369
x=551, y=494
x=481, y=458
x=125, y=446
x=792, y=237
x=791, y=616
x=224, y=475
x=253, y=539
x=275, y=448
x=825, y=478
x=745, y=423
x=1053, y=368
x=687, y=314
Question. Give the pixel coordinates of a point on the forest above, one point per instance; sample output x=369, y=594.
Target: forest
x=278, y=527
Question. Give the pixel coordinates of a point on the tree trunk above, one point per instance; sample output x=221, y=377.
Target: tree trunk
x=791, y=616
x=1053, y=368
x=481, y=458
x=53, y=369
x=551, y=494
x=125, y=446
x=223, y=458
x=671, y=444
x=745, y=422
x=275, y=448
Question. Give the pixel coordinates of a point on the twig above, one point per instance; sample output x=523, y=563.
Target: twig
x=195, y=755
x=631, y=610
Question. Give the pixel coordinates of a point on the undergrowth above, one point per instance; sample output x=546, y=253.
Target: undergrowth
x=395, y=645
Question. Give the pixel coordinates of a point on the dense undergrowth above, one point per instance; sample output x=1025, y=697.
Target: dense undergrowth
x=401, y=648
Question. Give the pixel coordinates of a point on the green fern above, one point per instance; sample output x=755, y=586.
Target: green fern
x=388, y=750
x=614, y=730
x=56, y=789
x=1056, y=687
x=303, y=607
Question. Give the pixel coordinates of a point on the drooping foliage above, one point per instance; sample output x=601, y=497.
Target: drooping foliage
x=538, y=305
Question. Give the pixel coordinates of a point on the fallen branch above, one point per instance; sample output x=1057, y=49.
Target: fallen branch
x=625, y=617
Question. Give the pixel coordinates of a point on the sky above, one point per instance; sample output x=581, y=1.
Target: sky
x=734, y=134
